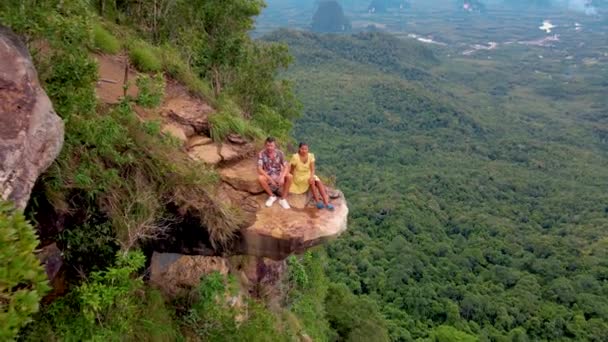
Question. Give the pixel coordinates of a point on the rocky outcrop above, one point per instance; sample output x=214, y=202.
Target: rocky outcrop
x=175, y=273
x=204, y=149
x=31, y=133
x=208, y=154
x=177, y=131
x=243, y=177
x=261, y=277
x=51, y=259
x=183, y=108
x=275, y=232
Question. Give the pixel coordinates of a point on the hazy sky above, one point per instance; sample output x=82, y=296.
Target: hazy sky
x=584, y=6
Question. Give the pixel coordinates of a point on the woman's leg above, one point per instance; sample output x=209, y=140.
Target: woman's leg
x=321, y=188
x=313, y=189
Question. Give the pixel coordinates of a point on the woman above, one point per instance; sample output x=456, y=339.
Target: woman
x=303, y=170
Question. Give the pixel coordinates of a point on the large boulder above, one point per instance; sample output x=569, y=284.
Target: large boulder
x=208, y=154
x=177, y=131
x=51, y=259
x=181, y=107
x=261, y=277
x=31, y=133
x=175, y=273
x=276, y=232
x=233, y=152
x=243, y=176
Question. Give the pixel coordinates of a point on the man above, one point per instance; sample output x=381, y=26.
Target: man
x=274, y=173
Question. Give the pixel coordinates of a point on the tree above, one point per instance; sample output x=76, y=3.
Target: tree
x=221, y=29
x=446, y=333
x=354, y=318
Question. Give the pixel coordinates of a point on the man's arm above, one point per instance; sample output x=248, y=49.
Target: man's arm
x=261, y=170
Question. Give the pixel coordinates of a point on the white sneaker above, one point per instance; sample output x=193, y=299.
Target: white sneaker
x=283, y=203
x=271, y=200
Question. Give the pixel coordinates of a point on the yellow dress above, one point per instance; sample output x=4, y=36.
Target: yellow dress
x=301, y=173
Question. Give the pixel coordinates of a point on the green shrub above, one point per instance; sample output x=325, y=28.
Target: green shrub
x=22, y=280
x=175, y=66
x=121, y=168
x=354, y=317
x=152, y=127
x=104, y=41
x=446, y=333
x=89, y=247
x=229, y=120
x=143, y=56
x=297, y=272
x=272, y=123
x=151, y=90
x=112, y=305
x=69, y=77
x=212, y=319
x=306, y=291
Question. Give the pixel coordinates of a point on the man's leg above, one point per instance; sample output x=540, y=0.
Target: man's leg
x=264, y=183
x=286, y=185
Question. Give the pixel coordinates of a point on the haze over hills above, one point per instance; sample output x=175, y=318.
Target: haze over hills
x=404, y=16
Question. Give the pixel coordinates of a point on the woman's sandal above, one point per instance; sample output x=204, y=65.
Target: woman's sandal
x=330, y=207
x=320, y=205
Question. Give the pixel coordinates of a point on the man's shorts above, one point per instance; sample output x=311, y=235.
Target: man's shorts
x=277, y=187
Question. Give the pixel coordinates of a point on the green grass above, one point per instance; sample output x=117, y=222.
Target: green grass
x=104, y=41
x=151, y=90
x=144, y=57
x=230, y=120
x=175, y=66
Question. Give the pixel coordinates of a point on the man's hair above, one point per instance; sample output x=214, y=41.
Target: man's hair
x=302, y=144
x=270, y=140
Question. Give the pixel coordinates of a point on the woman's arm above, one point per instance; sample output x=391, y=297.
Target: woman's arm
x=312, y=169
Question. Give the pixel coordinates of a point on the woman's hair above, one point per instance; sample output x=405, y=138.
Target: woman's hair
x=302, y=144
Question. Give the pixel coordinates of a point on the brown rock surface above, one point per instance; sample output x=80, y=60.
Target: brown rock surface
x=183, y=108
x=206, y=153
x=52, y=260
x=175, y=273
x=243, y=176
x=175, y=130
x=261, y=277
x=31, y=134
x=234, y=152
x=229, y=152
x=236, y=139
x=198, y=140
x=247, y=202
x=277, y=232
